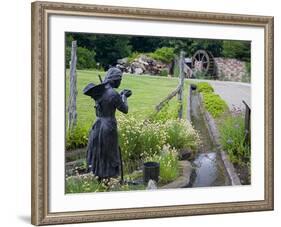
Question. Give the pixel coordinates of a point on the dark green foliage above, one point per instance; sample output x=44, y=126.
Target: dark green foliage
x=164, y=72
x=110, y=48
x=164, y=54
x=214, y=46
x=145, y=44
x=85, y=58
x=237, y=49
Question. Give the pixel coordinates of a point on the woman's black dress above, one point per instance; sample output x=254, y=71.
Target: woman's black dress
x=103, y=155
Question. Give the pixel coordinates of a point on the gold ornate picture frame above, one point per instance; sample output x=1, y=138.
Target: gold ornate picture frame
x=41, y=13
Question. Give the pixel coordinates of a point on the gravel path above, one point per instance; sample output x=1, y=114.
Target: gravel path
x=232, y=92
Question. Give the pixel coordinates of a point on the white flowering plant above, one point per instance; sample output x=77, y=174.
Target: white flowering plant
x=169, y=164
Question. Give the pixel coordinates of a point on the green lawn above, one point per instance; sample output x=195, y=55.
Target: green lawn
x=147, y=90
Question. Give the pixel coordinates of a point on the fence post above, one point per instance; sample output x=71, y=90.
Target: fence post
x=72, y=114
x=247, y=123
x=181, y=83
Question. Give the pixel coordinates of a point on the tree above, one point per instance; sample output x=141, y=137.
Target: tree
x=143, y=44
x=214, y=46
x=110, y=48
x=237, y=49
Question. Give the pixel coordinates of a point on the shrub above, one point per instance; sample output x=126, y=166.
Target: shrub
x=232, y=137
x=181, y=135
x=77, y=137
x=214, y=104
x=237, y=49
x=133, y=56
x=151, y=139
x=129, y=129
x=141, y=139
x=85, y=58
x=164, y=54
x=204, y=87
x=138, y=138
x=164, y=72
x=169, y=164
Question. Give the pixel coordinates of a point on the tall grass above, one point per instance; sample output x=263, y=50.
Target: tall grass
x=232, y=137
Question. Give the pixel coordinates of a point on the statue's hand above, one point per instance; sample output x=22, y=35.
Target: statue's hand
x=126, y=92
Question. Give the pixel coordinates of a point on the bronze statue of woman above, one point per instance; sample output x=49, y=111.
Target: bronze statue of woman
x=103, y=154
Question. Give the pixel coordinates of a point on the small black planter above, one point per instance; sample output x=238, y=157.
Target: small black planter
x=151, y=171
x=193, y=87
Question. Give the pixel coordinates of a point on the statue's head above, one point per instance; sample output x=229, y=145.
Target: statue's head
x=113, y=77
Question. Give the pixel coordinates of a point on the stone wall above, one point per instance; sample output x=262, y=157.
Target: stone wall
x=231, y=70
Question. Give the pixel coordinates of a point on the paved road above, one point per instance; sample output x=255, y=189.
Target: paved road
x=233, y=92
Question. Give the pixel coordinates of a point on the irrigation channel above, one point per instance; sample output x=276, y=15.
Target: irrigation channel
x=209, y=169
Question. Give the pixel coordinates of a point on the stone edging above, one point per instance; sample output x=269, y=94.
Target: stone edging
x=214, y=133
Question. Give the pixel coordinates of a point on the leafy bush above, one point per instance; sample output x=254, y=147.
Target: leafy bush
x=164, y=54
x=237, y=49
x=129, y=129
x=214, y=104
x=77, y=137
x=181, y=135
x=151, y=139
x=85, y=58
x=141, y=139
x=133, y=56
x=204, y=87
x=232, y=137
x=169, y=164
x=164, y=72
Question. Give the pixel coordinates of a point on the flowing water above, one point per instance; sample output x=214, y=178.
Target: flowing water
x=209, y=168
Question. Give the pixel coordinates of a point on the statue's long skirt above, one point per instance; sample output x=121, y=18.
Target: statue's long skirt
x=103, y=155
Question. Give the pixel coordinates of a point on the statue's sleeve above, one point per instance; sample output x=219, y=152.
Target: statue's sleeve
x=120, y=103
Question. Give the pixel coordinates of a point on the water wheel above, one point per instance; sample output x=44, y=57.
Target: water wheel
x=203, y=61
